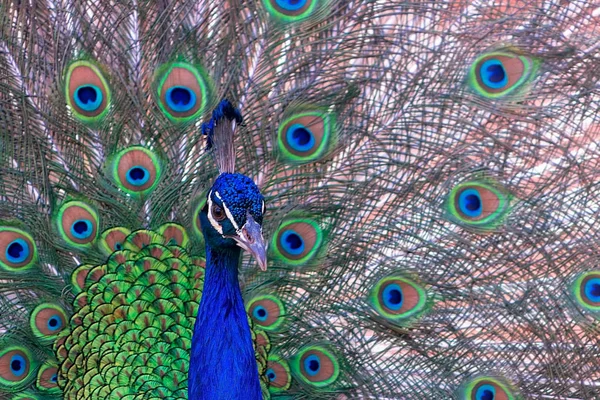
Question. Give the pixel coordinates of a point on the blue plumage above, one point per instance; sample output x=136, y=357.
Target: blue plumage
x=494, y=74
x=180, y=98
x=240, y=195
x=17, y=251
x=223, y=364
x=88, y=98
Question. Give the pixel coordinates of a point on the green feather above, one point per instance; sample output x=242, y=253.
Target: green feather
x=297, y=241
x=87, y=91
x=315, y=366
x=517, y=70
x=192, y=81
x=478, y=205
x=486, y=385
x=306, y=136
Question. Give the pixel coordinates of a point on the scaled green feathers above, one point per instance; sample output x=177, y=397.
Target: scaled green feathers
x=133, y=321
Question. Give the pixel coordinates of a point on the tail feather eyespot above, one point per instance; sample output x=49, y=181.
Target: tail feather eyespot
x=183, y=91
x=498, y=74
x=87, y=91
x=18, y=252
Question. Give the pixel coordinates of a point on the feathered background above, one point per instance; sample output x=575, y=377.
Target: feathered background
x=410, y=127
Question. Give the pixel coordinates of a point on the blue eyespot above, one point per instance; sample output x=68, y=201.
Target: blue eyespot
x=138, y=175
x=180, y=98
x=17, y=251
x=592, y=290
x=470, y=203
x=393, y=297
x=485, y=392
x=292, y=242
x=493, y=74
x=88, y=97
x=271, y=375
x=55, y=323
x=312, y=365
x=18, y=365
x=291, y=5
x=260, y=313
x=82, y=229
x=54, y=378
x=300, y=138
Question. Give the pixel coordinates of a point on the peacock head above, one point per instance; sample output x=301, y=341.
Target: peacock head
x=233, y=216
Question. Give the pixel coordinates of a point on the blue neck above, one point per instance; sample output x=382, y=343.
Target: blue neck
x=222, y=365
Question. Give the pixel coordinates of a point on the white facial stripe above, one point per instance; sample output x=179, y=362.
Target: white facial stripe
x=228, y=213
x=212, y=221
x=264, y=207
x=230, y=217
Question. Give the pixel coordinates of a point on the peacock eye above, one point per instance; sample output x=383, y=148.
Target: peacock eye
x=47, y=320
x=498, y=74
x=488, y=387
x=278, y=373
x=218, y=213
x=183, y=91
x=16, y=366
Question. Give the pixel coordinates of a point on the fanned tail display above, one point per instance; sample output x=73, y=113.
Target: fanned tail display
x=409, y=190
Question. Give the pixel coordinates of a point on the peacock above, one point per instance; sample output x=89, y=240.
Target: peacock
x=299, y=199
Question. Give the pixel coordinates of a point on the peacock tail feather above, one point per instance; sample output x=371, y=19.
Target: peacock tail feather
x=429, y=175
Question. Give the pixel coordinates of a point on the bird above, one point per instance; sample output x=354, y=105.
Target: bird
x=299, y=199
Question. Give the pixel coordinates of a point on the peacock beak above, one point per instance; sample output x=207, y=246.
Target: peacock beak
x=250, y=238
